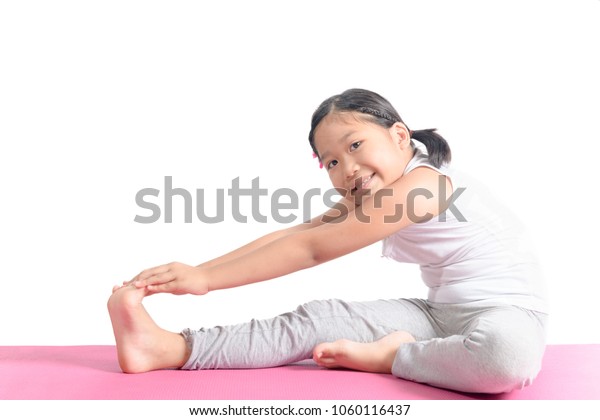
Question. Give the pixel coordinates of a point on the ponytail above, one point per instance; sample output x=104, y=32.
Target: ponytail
x=437, y=147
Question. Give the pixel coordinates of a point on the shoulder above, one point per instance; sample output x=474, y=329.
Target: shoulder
x=428, y=181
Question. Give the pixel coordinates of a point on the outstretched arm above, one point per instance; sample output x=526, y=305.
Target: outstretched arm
x=377, y=218
x=189, y=279
x=339, y=210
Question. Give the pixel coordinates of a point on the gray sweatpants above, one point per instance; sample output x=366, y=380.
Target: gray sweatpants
x=469, y=348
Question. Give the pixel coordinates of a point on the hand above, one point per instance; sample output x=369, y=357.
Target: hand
x=175, y=278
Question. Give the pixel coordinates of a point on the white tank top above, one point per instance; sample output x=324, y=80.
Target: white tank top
x=484, y=259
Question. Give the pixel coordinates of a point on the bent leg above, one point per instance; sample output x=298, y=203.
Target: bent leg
x=496, y=350
x=377, y=356
x=292, y=336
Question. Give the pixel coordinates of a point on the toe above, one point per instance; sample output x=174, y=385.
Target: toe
x=322, y=355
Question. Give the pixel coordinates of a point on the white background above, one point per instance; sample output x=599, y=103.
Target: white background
x=101, y=99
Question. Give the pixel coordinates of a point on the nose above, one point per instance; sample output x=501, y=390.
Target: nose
x=350, y=169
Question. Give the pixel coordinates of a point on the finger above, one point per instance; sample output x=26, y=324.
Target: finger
x=132, y=281
x=160, y=278
x=160, y=288
x=153, y=271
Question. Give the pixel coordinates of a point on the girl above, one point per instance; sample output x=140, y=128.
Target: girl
x=482, y=327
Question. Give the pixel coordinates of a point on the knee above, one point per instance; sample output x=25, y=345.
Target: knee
x=504, y=364
x=503, y=375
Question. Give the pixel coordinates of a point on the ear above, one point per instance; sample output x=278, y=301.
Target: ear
x=400, y=134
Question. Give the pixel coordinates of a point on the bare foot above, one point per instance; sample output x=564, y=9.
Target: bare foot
x=377, y=356
x=141, y=344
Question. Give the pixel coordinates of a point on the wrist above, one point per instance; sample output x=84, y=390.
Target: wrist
x=201, y=281
x=204, y=279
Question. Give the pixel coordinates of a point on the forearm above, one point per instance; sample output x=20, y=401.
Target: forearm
x=280, y=253
x=285, y=255
x=256, y=244
x=339, y=210
x=263, y=260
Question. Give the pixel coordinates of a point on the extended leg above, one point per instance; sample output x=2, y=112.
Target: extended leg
x=291, y=337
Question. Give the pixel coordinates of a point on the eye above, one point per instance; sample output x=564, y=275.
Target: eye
x=331, y=164
x=355, y=145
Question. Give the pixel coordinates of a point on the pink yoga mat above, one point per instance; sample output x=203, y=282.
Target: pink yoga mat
x=92, y=373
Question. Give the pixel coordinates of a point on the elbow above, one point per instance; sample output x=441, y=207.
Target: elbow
x=317, y=255
x=305, y=250
x=317, y=258
x=314, y=249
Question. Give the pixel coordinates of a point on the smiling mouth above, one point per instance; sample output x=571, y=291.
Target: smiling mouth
x=361, y=183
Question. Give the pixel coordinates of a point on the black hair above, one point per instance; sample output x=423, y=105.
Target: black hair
x=381, y=112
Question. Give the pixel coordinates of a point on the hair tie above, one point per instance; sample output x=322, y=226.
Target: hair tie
x=320, y=163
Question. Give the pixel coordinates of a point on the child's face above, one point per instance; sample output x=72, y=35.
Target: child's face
x=361, y=156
